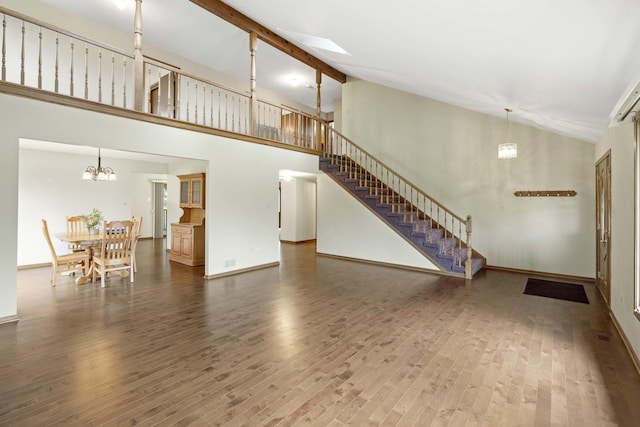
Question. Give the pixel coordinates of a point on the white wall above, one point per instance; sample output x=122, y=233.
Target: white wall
x=242, y=179
x=51, y=188
x=298, y=210
x=451, y=153
x=620, y=141
x=142, y=199
x=347, y=228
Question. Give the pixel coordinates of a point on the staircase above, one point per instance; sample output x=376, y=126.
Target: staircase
x=441, y=236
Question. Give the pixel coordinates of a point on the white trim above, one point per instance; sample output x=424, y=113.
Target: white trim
x=9, y=319
x=636, y=216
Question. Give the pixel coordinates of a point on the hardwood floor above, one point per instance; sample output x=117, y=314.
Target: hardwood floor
x=316, y=341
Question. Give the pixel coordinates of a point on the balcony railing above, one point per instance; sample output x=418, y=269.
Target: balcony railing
x=42, y=56
x=38, y=55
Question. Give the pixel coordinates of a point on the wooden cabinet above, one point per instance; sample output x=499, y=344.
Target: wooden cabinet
x=187, y=243
x=187, y=236
x=192, y=191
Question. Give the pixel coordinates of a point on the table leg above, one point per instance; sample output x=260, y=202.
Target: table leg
x=87, y=276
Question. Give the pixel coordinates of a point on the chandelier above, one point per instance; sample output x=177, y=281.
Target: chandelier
x=99, y=173
x=508, y=150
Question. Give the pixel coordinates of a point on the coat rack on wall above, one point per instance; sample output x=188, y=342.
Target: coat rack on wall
x=545, y=193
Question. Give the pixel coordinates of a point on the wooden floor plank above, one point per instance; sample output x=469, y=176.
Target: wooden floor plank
x=317, y=341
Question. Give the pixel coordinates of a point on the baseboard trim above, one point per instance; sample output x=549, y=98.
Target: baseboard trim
x=542, y=273
x=632, y=354
x=242, y=270
x=28, y=266
x=9, y=319
x=291, y=242
x=388, y=264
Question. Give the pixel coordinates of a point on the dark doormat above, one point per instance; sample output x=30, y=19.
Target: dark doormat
x=558, y=290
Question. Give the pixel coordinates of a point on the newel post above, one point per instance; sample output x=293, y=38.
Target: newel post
x=468, y=273
x=138, y=86
x=253, y=101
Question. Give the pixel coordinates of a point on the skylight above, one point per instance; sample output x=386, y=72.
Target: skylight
x=317, y=42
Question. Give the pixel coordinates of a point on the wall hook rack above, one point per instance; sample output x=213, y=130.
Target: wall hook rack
x=545, y=193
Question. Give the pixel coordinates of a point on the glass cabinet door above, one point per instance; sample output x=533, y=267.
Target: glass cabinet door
x=196, y=192
x=184, y=193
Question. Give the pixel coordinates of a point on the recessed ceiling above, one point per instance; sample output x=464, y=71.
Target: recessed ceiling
x=560, y=65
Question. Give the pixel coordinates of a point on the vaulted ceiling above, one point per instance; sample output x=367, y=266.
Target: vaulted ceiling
x=564, y=66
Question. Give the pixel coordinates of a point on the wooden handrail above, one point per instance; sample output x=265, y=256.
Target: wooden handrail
x=395, y=173
x=404, y=199
x=176, y=70
x=59, y=30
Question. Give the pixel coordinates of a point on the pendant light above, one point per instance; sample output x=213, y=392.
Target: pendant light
x=508, y=149
x=99, y=173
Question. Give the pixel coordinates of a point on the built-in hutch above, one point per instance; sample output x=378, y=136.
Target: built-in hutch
x=187, y=236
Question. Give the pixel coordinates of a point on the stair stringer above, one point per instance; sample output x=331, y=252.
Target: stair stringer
x=340, y=213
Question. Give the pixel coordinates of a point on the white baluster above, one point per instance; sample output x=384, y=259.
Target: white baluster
x=56, y=67
x=99, y=75
x=71, y=73
x=86, y=71
x=4, y=47
x=113, y=80
x=22, y=58
x=40, y=58
x=124, y=83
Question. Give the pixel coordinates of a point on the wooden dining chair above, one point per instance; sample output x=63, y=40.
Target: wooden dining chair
x=75, y=224
x=64, y=264
x=115, y=250
x=137, y=225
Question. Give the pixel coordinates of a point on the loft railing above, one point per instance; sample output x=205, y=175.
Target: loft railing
x=42, y=56
x=179, y=95
x=410, y=202
x=175, y=94
x=45, y=57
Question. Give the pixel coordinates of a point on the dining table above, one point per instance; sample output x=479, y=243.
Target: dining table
x=86, y=240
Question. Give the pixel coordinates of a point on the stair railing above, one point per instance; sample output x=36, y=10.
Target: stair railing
x=440, y=225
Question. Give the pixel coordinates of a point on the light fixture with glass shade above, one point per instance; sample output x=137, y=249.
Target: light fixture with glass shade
x=508, y=149
x=99, y=173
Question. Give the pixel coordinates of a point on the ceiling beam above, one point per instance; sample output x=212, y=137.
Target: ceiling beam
x=247, y=24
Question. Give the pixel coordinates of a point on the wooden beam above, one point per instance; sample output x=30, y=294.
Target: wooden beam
x=247, y=24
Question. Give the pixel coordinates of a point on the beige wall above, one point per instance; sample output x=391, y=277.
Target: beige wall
x=347, y=228
x=451, y=153
x=298, y=210
x=620, y=141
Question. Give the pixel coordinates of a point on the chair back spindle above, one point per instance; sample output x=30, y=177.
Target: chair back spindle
x=115, y=250
x=75, y=224
x=64, y=264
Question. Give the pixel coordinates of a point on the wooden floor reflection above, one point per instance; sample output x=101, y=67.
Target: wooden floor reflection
x=315, y=341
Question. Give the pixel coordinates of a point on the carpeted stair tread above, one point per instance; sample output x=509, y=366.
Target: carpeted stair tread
x=402, y=217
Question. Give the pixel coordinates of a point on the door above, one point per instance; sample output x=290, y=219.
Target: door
x=159, y=210
x=162, y=96
x=603, y=225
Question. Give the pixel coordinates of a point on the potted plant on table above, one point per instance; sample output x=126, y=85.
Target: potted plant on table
x=92, y=220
